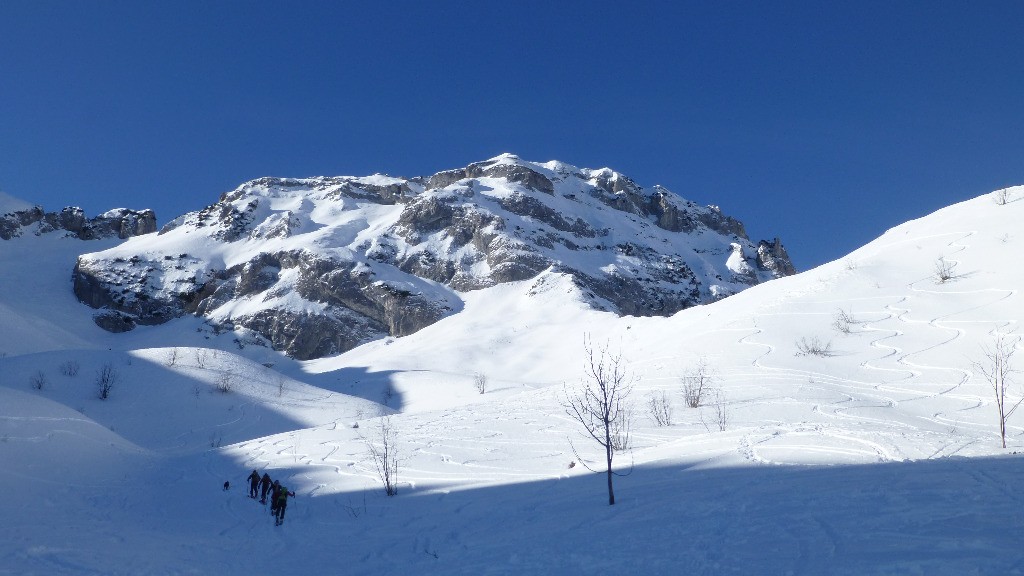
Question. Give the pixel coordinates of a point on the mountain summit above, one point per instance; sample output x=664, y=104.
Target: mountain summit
x=317, y=266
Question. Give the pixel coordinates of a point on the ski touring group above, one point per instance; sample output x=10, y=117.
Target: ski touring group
x=278, y=493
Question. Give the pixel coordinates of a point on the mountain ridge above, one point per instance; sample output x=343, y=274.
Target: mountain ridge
x=317, y=266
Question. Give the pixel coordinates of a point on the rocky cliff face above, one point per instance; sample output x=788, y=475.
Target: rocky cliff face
x=120, y=223
x=317, y=266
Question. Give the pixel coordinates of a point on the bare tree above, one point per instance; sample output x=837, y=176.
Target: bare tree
x=70, y=368
x=172, y=357
x=696, y=382
x=106, y=378
x=480, y=382
x=719, y=414
x=843, y=321
x=1002, y=197
x=38, y=380
x=945, y=270
x=996, y=369
x=225, y=382
x=601, y=406
x=201, y=355
x=660, y=407
x=384, y=452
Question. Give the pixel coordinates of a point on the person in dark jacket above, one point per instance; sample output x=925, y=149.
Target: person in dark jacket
x=275, y=491
x=282, y=503
x=264, y=487
x=254, y=482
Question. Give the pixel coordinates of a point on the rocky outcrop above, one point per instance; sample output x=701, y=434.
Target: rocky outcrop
x=314, y=267
x=120, y=223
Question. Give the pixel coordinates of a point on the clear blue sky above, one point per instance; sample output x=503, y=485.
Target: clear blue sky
x=824, y=123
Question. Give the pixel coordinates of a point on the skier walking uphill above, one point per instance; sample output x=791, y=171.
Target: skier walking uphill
x=282, y=504
x=275, y=491
x=264, y=487
x=254, y=482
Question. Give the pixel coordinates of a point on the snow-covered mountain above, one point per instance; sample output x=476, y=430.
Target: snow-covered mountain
x=319, y=266
x=846, y=431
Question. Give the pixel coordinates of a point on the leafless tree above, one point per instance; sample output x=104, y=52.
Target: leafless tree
x=106, y=378
x=697, y=380
x=480, y=382
x=843, y=321
x=38, y=380
x=225, y=382
x=945, y=270
x=70, y=368
x=201, y=355
x=384, y=452
x=997, y=370
x=601, y=405
x=172, y=357
x=719, y=413
x=1002, y=197
x=660, y=407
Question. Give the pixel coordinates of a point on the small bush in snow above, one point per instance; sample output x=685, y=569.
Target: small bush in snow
x=201, y=355
x=38, y=380
x=945, y=270
x=384, y=453
x=480, y=382
x=1002, y=197
x=106, y=378
x=696, y=382
x=660, y=407
x=225, y=382
x=172, y=357
x=70, y=368
x=842, y=321
x=813, y=347
x=719, y=415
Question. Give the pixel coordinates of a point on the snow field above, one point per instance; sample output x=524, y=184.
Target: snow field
x=881, y=457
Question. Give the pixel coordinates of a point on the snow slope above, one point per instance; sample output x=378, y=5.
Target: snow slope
x=882, y=457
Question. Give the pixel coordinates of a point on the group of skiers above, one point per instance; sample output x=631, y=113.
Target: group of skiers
x=278, y=494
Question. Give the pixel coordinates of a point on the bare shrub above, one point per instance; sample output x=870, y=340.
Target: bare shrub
x=172, y=357
x=70, y=368
x=814, y=347
x=480, y=382
x=37, y=380
x=601, y=406
x=660, y=408
x=622, y=435
x=383, y=450
x=945, y=270
x=718, y=413
x=201, y=355
x=1002, y=197
x=997, y=369
x=843, y=321
x=696, y=382
x=106, y=379
x=225, y=382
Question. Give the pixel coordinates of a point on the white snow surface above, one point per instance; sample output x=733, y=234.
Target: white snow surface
x=880, y=458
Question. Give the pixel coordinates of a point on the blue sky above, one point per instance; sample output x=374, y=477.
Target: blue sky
x=823, y=123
